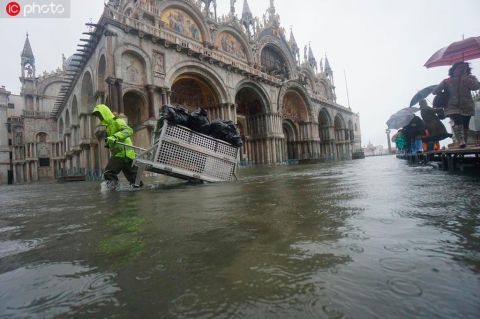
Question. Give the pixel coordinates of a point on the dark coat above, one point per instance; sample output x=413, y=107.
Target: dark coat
x=415, y=128
x=435, y=127
x=460, y=97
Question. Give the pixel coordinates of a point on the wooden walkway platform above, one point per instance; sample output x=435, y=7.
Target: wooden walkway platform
x=76, y=178
x=451, y=159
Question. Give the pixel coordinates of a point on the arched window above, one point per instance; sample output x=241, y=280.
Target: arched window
x=60, y=127
x=273, y=62
x=67, y=119
x=87, y=99
x=42, y=138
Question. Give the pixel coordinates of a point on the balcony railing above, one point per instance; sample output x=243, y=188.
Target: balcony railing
x=36, y=114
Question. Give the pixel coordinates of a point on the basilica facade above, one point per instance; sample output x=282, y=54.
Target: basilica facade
x=142, y=54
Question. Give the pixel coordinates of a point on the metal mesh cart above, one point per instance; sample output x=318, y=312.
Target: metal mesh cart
x=186, y=154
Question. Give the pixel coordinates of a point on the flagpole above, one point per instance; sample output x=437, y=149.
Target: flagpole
x=346, y=86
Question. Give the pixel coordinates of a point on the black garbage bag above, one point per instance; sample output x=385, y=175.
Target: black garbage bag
x=198, y=121
x=226, y=131
x=175, y=115
x=235, y=140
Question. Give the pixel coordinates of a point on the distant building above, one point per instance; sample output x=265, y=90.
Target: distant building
x=28, y=134
x=371, y=150
x=142, y=54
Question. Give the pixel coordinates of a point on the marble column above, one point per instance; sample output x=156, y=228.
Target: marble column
x=35, y=169
x=112, y=93
x=164, y=96
x=121, y=107
x=151, y=101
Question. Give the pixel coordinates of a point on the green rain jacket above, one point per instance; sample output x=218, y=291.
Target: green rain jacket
x=118, y=128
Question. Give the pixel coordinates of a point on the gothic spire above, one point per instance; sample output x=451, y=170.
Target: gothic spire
x=232, y=7
x=294, y=46
x=311, y=58
x=328, y=69
x=292, y=42
x=27, y=50
x=246, y=13
x=273, y=18
x=247, y=18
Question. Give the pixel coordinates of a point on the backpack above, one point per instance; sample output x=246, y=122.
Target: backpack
x=441, y=99
x=440, y=102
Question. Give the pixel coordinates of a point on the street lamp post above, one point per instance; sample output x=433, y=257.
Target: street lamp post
x=388, y=141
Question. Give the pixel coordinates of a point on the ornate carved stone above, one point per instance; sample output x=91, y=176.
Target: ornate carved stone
x=158, y=64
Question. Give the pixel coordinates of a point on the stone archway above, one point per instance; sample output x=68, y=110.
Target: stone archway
x=86, y=97
x=274, y=62
x=75, y=130
x=291, y=137
x=341, y=138
x=101, y=76
x=68, y=130
x=136, y=112
x=87, y=102
x=325, y=133
x=351, y=132
x=295, y=112
x=251, y=119
x=43, y=149
x=192, y=91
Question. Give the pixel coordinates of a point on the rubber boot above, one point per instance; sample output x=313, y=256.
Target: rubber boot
x=465, y=136
x=455, y=137
x=459, y=135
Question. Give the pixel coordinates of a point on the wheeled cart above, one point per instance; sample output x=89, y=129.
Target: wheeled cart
x=189, y=155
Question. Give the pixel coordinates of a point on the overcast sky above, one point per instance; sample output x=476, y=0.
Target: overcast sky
x=381, y=44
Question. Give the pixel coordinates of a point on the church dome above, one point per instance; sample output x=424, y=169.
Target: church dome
x=70, y=64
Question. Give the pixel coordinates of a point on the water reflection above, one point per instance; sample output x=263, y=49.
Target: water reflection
x=47, y=290
x=373, y=238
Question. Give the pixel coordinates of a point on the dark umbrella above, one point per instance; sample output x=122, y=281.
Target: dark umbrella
x=402, y=118
x=422, y=94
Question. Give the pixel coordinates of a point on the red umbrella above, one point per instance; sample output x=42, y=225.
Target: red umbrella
x=464, y=50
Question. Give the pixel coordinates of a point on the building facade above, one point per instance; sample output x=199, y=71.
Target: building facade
x=28, y=134
x=143, y=54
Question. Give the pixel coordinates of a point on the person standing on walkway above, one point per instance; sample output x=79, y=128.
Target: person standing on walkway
x=436, y=129
x=460, y=107
x=122, y=156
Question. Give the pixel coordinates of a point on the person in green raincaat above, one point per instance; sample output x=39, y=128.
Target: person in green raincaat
x=122, y=156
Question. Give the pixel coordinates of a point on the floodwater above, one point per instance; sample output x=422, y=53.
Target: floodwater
x=372, y=238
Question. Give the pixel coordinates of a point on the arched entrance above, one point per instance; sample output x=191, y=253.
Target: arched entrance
x=290, y=133
x=351, y=133
x=341, y=138
x=192, y=91
x=87, y=102
x=252, y=124
x=295, y=126
x=326, y=138
x=136, y=111
x=102, y=66
x=43, y=153
x=86, y=98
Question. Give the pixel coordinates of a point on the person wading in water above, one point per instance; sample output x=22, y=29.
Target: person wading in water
x=122, y=156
